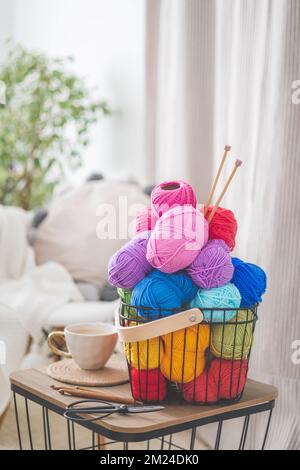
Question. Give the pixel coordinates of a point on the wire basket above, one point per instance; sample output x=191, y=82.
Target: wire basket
x=199, y=356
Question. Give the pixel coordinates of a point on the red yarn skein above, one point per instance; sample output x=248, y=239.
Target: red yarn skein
x=223, y=225
x=226, y=375
x=232, y=376
x=148, y=385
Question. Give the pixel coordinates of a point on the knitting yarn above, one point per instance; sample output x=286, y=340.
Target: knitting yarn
x=169, y=194
x=233, y=340
x=223, y=226
x=250, y=280
x=162, y=293
x=148, y=385
x=224, y=297
x=177, y=238
x=224, y=380
x=144, y=221
x=129, y=264
x=144, y=354
x=184, y=353
x=212, y=267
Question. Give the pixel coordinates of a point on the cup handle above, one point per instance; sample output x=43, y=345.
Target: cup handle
x=53, y=348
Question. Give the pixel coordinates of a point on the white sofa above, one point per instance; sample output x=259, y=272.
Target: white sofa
x=33, y=299
x=15, y=341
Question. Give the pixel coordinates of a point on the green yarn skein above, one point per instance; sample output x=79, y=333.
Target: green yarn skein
x=125, y=296
x=233, y=340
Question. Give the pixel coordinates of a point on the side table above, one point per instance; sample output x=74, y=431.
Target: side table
x=34, y=385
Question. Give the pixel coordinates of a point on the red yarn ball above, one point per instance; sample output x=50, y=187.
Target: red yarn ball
x=148, y=385
x=144, y=221
x=223, y=226
x=226, y=375
x=201, y=390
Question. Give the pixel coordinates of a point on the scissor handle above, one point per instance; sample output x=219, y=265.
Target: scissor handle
x=98, y=409
x=72, y=412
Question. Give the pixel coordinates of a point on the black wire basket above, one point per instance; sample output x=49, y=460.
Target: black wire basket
x=198, y=356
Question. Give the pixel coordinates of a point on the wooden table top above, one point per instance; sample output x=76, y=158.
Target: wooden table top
x=38, y=383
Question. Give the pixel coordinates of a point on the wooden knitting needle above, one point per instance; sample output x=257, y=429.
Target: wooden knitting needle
x=236, y=165
x=227, y=149
x=93, y=394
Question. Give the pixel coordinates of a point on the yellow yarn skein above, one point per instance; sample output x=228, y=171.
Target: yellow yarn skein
x=144, y=354
x=184, y=353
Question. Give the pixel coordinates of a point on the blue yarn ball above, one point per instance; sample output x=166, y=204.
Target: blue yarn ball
x=250, y=280
x=223, y=297
x=162, y=291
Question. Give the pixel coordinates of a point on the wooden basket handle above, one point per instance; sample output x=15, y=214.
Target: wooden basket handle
x=159, y=327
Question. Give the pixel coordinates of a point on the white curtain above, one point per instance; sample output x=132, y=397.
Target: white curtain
x=221, y=72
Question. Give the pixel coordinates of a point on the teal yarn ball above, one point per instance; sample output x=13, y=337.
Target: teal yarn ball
x=163, y=292
x=223, y=297
x=250, y=280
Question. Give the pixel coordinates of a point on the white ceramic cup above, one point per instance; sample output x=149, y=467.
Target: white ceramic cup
x=90, y=345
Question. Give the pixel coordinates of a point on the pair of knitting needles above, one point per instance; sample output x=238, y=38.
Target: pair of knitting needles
x=237, y=164
x=83, y=392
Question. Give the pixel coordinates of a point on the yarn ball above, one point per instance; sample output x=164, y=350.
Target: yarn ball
x=177, y=238
x=213, y=266
x=184, y=353
x=250, y=280
x=169, y=194
x=224, y=297
x=129, y=264
x=148, y=385
x=125, y=296
x=144, y=221
x=224, y=380
x=223, y=226
x=233, y=340
x=144, y=354
x=162, y=293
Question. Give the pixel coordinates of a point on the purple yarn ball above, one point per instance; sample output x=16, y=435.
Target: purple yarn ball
x=129, y=265
x=213, y=266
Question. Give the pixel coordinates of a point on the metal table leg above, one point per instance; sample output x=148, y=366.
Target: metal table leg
x=267, y=429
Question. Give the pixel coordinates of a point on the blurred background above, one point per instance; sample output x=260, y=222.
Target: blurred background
x=128, y=93
x=108, y=54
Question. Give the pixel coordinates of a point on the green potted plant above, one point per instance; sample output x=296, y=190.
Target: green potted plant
x=44, y=125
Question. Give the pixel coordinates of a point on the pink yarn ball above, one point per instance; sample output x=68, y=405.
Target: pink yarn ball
x=144, y=221
x=177, y=239
x=213, y=266
x=169, y=194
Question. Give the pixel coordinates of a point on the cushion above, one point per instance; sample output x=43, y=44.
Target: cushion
x=68, y=234
x=77, y=312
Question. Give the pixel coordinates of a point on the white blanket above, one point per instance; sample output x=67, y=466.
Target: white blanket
x=37, y=294
x=28, y=294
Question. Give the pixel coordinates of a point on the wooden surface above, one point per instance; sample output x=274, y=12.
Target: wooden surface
x=38, y=383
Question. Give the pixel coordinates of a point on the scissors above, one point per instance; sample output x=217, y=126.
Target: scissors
x=103, y=409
